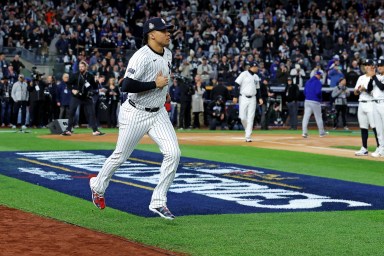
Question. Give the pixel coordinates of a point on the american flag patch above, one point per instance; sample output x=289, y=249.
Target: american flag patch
x=131, y=70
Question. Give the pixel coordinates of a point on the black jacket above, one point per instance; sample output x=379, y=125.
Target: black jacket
x=36, y=90
x=80, y=81
x=291, y=93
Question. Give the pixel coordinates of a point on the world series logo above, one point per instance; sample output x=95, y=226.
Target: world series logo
x=199, y=187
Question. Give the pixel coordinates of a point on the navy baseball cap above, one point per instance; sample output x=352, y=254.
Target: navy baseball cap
x=155, y=24
x=380, y=62
x=319, y=72
x=254, y=64
x=368, y=62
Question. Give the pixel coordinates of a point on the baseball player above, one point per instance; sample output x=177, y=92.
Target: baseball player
x=312, y=104
x=146, y=81
x=248, y=90
x=376, y=88
x=365, y=109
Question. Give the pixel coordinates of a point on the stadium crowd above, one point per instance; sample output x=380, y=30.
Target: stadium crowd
x=215, y=40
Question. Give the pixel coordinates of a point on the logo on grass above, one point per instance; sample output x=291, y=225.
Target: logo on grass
x=200, y=187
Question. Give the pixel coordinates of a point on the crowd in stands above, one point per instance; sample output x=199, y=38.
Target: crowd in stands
x=213, y=39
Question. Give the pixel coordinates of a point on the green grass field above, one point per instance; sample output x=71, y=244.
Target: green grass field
x=305, y=233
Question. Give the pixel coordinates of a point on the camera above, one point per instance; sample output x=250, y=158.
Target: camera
x=182, y=78
x=273, y=100
x=36, y=75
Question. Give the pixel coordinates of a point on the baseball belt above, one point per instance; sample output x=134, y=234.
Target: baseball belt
x=133, y=104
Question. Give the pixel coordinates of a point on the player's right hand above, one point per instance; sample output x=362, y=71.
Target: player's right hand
x=161, y=80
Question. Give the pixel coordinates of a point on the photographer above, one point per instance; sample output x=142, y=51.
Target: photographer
x=37, y=93
x=99, y=98
x=82, y=85
x=216, y=113
x=6, y=102
x=340, y=94
x=50, y=92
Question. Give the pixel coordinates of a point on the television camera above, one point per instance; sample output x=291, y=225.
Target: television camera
x=36, y=75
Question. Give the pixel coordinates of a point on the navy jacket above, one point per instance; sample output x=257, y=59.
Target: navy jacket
x=312, y=89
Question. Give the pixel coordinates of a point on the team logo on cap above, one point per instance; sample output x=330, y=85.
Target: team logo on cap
x=151, y=26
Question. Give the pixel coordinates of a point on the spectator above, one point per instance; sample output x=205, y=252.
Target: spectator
x=340, y=94
x=266, y=108
x=185, y=69
x=282, y=74
x=224, y=70
x=69, y=59
x=113, y=96
x=297, y=75
x=174, y=93
x=353, y=73
x=273, y=68
x=17, y=64
x=186, y=91
x=3, y=65
x=20, y=97
x=291, y=98
x=198, y=103
x=63, y=97
x=11, y=74
x=315, y=69
x=205, y=70
x=334, y=75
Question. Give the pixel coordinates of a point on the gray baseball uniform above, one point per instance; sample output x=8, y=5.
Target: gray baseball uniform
x=144, y=113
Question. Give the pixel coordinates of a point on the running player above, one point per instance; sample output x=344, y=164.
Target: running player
x=146, y=80
x=365, y=109
x=376, y=87
x=248, y=88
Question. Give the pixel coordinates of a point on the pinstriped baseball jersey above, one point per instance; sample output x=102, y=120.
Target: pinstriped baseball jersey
x=248, y=83
x=378, y=94
x=363, y=81
x=144, y=66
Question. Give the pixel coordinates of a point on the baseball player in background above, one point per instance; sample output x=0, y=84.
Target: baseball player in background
x=376, y=88
x=312, y=104
x=248, y=90
x=365, y=109
x=146, y=81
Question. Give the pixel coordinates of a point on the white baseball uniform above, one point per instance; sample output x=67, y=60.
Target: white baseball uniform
x=365, y=109
x=378, y=109
x=144, y=113
x=249, y=84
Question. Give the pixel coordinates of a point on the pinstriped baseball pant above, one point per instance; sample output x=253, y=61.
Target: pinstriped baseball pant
x=133, y=125
x=378, y=114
